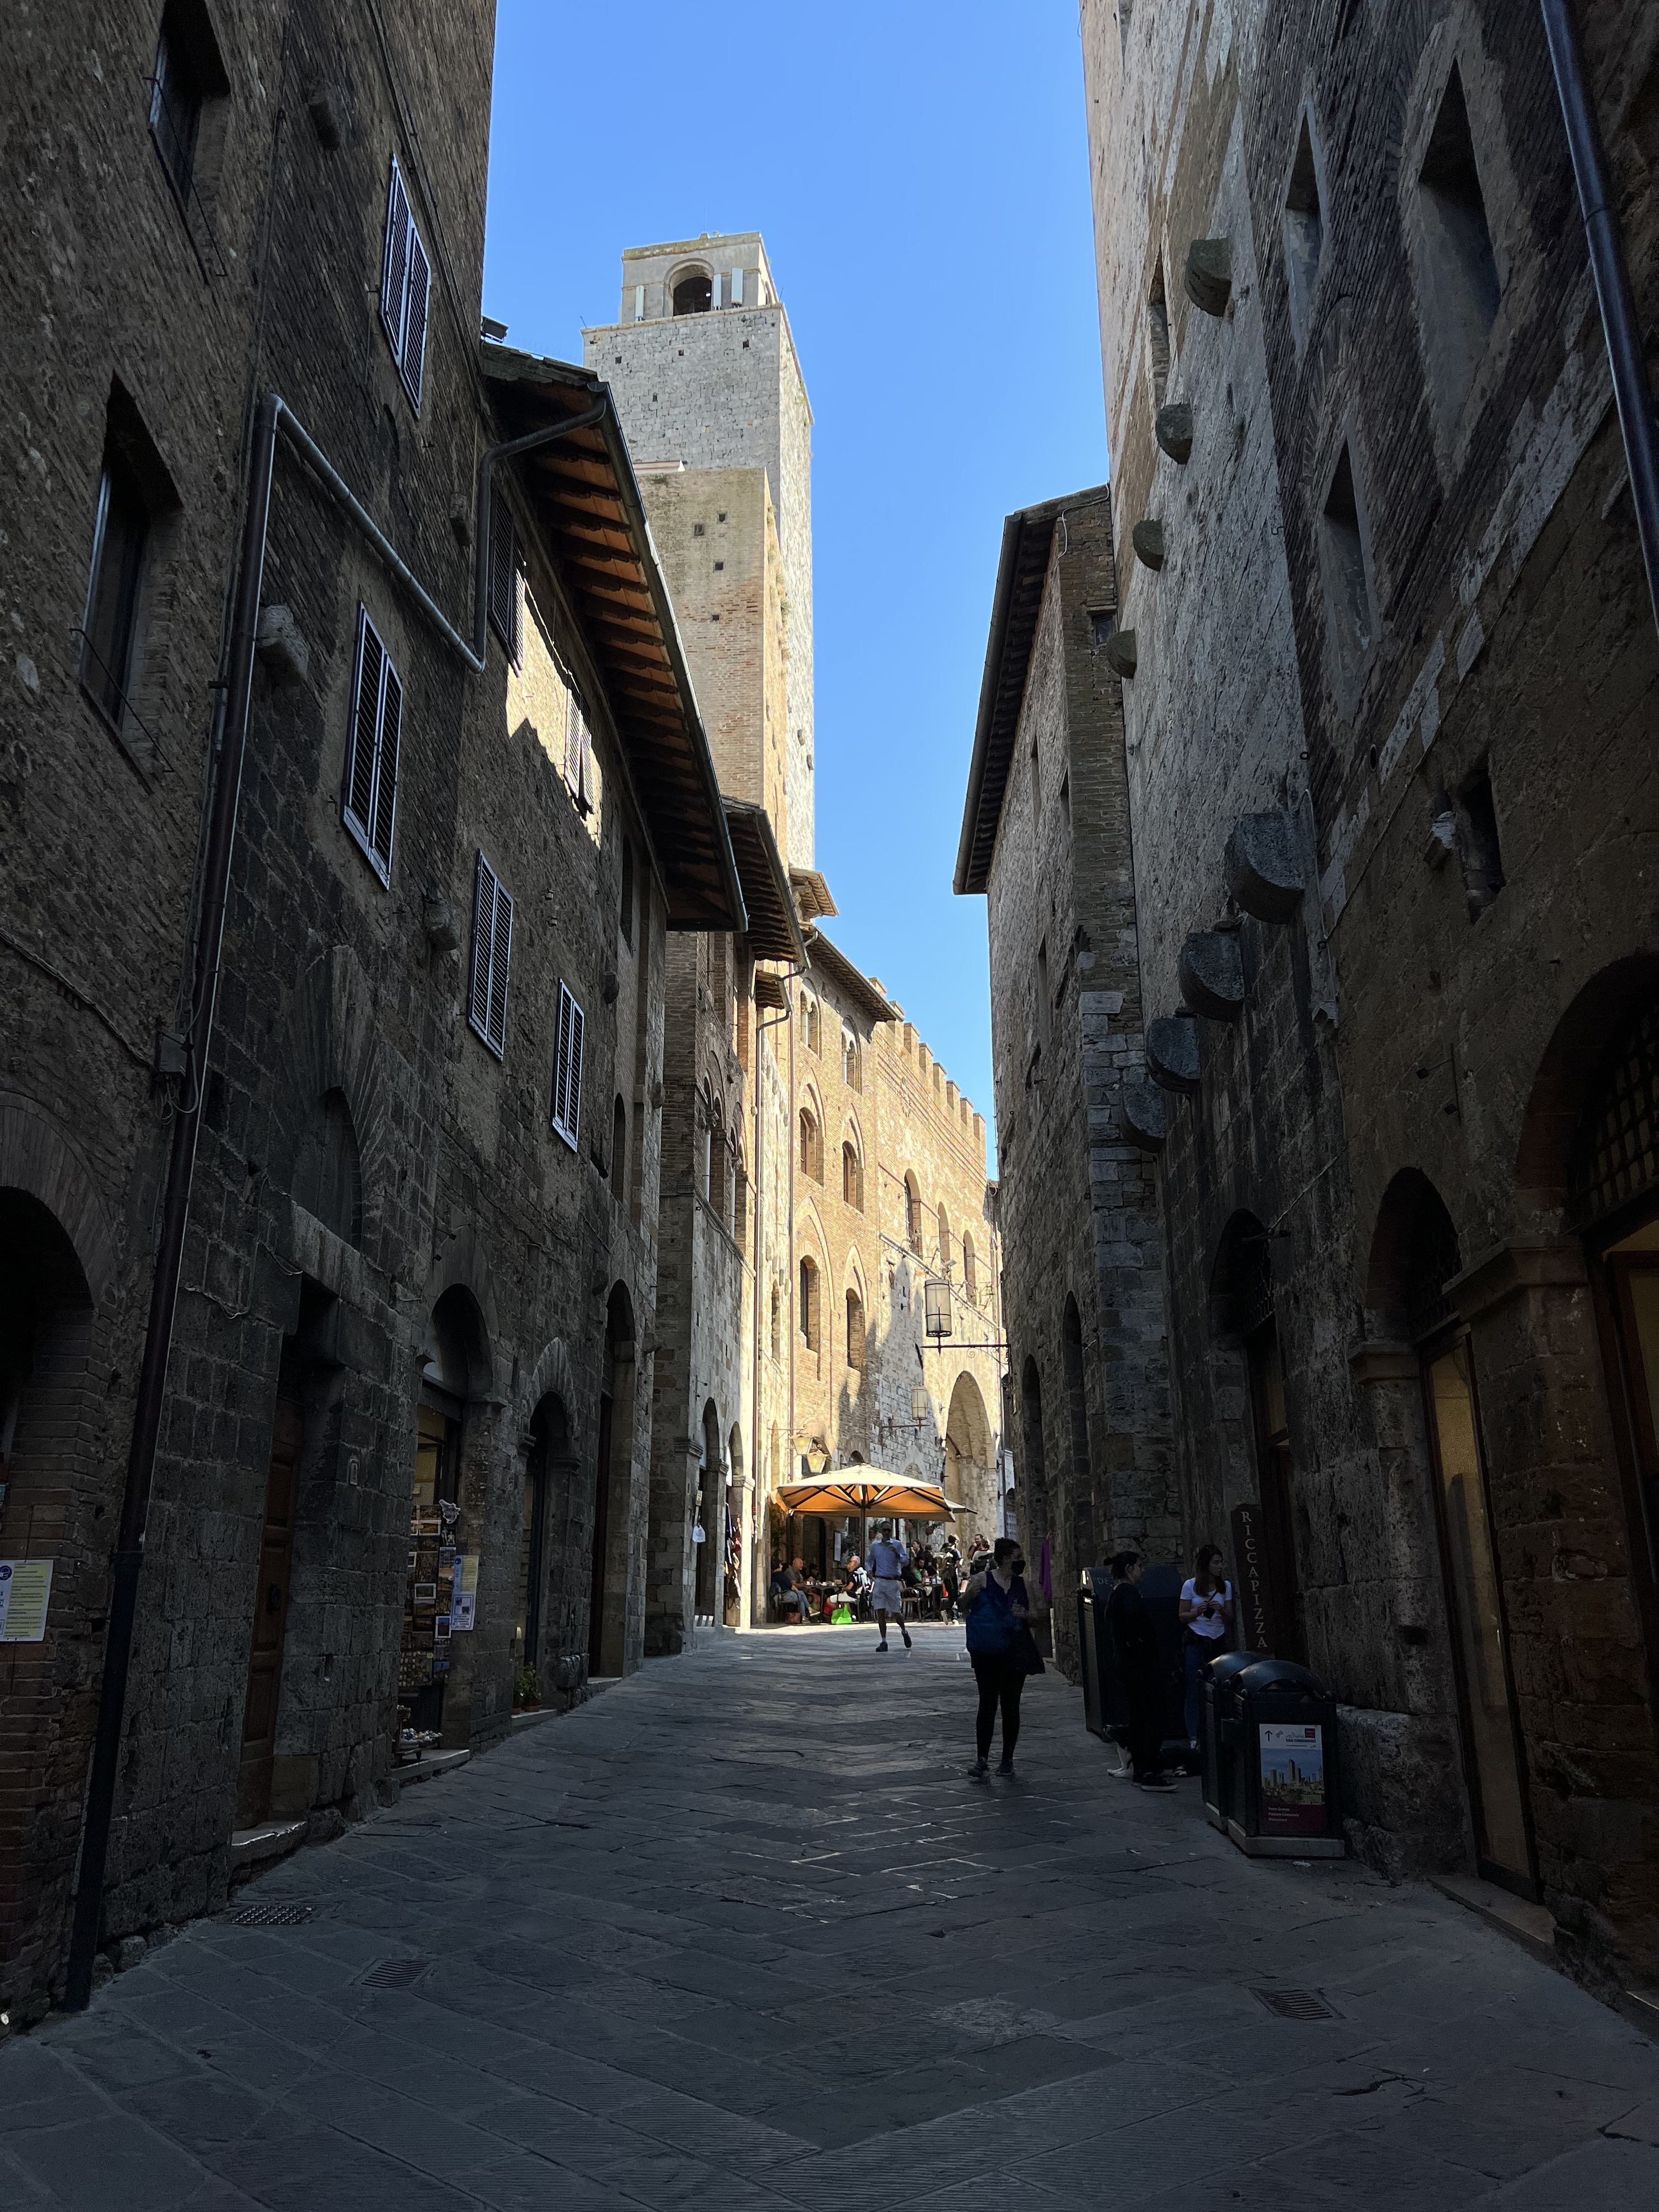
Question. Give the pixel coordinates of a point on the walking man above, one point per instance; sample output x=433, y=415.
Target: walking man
x=1134, y=1647
x=887, y=1563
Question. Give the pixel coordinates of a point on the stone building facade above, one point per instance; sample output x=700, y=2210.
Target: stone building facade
x=1045, y=838
x=1389, y=658
x=413, y=1321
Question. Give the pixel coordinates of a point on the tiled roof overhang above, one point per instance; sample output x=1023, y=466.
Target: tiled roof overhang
x=1026, y=537
x=773, y=931
x=852, y=982
x=585, y=496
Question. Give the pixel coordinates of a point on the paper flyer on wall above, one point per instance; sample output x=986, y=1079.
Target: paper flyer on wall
x=1293, y=1779
x=25, y=1591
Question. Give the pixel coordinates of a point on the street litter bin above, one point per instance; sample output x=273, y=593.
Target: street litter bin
x=1216, y=1739
x=1285, y=1792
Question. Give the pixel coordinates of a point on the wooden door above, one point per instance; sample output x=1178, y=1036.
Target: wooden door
x=264, y=1673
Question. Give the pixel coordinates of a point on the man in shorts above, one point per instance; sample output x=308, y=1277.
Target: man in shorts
x=886, y=1564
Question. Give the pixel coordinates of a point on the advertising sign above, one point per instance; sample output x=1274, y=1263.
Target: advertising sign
x=1293, y=1779
x=463, y=1604
x=1255, y=1614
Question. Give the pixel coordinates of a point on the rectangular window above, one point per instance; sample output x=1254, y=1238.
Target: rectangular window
x=567, y=1069
x=505, y=561
x=119, y=539
x=492, y=955
x=369, y=803
x=405, y=286
x=175, y=108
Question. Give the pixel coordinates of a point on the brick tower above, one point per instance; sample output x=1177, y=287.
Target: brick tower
x=710, y=392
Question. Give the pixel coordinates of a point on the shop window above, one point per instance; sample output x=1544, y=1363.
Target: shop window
x=1459, y=270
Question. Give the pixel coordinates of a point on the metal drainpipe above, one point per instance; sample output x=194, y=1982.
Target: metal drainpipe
x=275, y=416
x=1626, y=353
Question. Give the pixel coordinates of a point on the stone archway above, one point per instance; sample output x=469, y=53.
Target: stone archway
x=969, y=1470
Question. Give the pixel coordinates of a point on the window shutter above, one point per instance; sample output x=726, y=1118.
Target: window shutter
x=385, y=782
x=737, y=287
x=500, y=956
x=561, y=1057
x=394, y=265
x=483, y=935
x=504, y=577
x=413, y=361
x=360, y=756
x=574, y=1087
x=717, y=288
x=567, y=1069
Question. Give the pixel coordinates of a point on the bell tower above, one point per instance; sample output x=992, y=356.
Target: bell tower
x=703, y=369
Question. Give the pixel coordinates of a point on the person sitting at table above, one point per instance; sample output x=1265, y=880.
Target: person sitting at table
x=789, y=1591
x=857, y=1587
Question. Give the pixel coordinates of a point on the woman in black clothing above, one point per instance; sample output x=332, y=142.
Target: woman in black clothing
x=999, y=1608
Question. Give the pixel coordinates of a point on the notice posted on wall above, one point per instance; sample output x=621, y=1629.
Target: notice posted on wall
x=1293, y=1779
x=25, y=1592
x=463, y=1604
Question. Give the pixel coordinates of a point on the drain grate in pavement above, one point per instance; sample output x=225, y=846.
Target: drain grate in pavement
x=394, y=1973
x=1296, y=2004
x=272, y=1916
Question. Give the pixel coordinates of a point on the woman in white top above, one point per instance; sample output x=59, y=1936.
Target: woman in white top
x=1207, y=1614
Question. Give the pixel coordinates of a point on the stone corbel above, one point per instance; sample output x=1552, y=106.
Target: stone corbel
x=1209, y=277
x=1266, y=866
x=1173, y=428
x=1142, y=1114
x=1147, y=539
x=1121, y=656
x=1380, y=1361
x=1211, y=972
x=1509, y=1271
x=1172, y=1055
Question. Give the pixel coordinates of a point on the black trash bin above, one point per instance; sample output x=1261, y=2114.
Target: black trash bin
x=1286, y=1800
x=1217, y=1732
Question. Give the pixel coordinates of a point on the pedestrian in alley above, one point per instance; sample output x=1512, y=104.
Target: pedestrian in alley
x=1207, y=1614
x=887, y=1563
x=1002, y=1649
x=1134, y=1648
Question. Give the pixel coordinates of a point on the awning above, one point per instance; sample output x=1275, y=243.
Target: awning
x=867, y=1490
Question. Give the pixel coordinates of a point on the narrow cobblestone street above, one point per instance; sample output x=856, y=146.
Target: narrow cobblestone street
x=740, y=1932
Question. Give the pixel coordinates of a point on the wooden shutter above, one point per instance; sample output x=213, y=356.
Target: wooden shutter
x=394, y=263
x=500, y=956
x=484, y=938
x=504, y=577
x=413, y=358
x=567, y=1069
x=386, y=780
x=365, y=724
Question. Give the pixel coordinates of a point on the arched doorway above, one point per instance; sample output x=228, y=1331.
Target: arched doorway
x=539, y=1633
x=708, y=1517
x=968, y=1470
x=1241, y=1314
x=1414, y=1255
x=607, y=1610
x=737, y=1490
x=444, y=1537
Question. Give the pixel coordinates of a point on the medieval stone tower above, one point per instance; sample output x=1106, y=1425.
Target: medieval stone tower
x=706, y=383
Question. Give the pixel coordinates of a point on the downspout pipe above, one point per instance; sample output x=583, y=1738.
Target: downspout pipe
x=1627, y=355
x=274, y=417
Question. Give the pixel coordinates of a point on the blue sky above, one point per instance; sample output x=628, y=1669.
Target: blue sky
x=919, y=172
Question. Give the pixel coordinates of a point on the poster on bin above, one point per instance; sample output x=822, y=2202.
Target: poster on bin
x=1293, y=1779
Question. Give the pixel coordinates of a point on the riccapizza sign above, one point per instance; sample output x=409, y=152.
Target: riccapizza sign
x=1253, y=1579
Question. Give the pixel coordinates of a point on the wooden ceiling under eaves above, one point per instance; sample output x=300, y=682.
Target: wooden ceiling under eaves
x=1023, y=573
x=587, y=505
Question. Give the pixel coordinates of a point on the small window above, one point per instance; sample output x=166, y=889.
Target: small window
x=811, y=1148
x=405, y=288
x=855, y=1345
x=698, y=529
x=1348, y=613
x=492, y=955
x=370, y=802
x=851, y=1177
x=628, y=893
x=619, y=1153
x=120, y=535
x=1157, y=335
x=809, y=1024
x=505, y=560
x=1483, y=861
x=911, y=1213
x=851, y=1069
x=567, y=1070
x=1101, y=622
x=808, y=1317
x=1460, y=271
x=189, y=75
x=1304, y=231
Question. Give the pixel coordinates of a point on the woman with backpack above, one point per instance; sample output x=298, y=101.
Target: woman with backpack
x=1002, y=1649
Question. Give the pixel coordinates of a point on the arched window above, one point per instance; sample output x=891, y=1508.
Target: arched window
x=911, y=1213
x=694, y=295
x=852, y=1176
x=809, y=1305
x=619, y=1153
x=809, y=1023
x=970, y=1270
x=852, y=1072
x=855, y=1332
x=812, y=1147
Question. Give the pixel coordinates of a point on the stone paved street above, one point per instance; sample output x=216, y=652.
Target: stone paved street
x=741, y=1933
